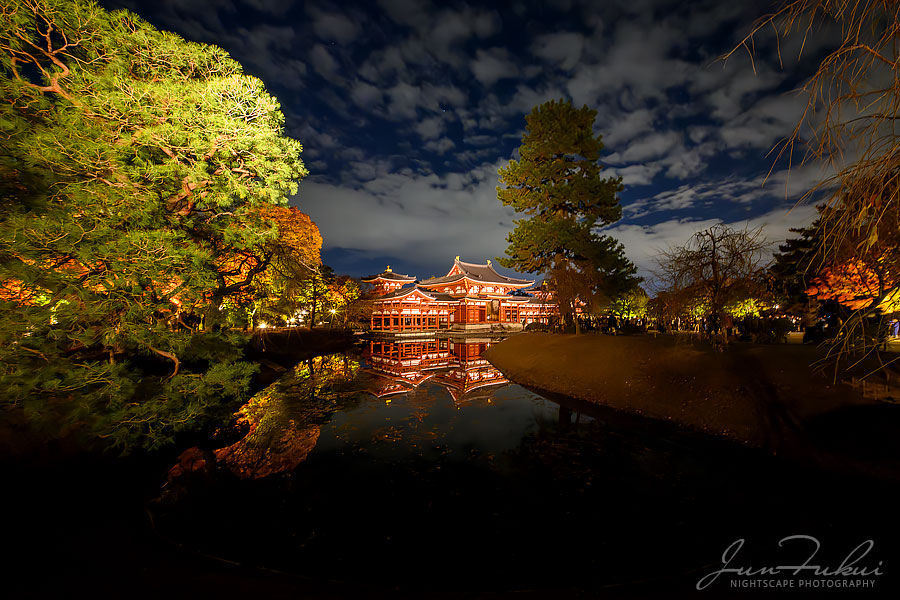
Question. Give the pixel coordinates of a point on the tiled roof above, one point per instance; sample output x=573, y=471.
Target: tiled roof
x=404, y=291
x=486, y=272
x=483, y=273
x=388, y=274
x=444, y=279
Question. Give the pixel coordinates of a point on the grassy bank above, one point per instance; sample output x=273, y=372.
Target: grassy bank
x=766, y=396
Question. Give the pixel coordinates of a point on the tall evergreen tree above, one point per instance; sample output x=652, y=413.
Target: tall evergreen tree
x=795, y=265
x=130, y=165
x=557, y=183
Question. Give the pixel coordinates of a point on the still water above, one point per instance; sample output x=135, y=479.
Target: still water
x=417, y=464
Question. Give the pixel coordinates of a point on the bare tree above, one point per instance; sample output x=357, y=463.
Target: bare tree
x=715, y=267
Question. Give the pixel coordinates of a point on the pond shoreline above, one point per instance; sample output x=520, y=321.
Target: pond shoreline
x=765, y=397
x=278, y=351
x=305, y=533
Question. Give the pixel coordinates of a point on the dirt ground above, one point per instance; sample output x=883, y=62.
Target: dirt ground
x=766, y=396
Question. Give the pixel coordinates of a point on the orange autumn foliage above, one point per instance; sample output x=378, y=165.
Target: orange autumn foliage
x=851, y=284
x=298, y=241
x=296, y=232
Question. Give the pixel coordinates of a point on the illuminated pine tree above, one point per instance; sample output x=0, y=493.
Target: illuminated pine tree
x=557, y=183
x=130, y=164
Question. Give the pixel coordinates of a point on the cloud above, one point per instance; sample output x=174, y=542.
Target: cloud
x=442, y=33
x=526, y=97
x=687, y=162
x=678, y=199
x=414, y=88
x=425, y=219
x=430, y=128
x=493, y=65
x=365, y=95
x=763, y=124
x=794, y=183
x=480, y=140
x=440, y=146
x=618, y=129
x=383, y=65
x=637, y=174
x=363, y=171
x=450, y=29
x=335, y=27
x=277, y=8
x=639, y=60
x=562, y=50
x=651, y=146
x=322, y=61
x=412, y=14
x=728, y=87
x=644, y=242
x=729, y=194
x=452, y=26
x=317, y=142
x=405, y=100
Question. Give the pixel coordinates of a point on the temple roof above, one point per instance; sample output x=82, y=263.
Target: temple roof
x=389, y=275
x=405, y=291
x=482, y=273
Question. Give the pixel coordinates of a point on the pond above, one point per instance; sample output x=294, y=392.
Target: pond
x=416, y=464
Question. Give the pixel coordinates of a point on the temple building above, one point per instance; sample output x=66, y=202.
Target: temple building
x=387, y=281
x=470, y=297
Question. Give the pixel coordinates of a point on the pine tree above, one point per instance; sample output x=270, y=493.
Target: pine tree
x=557, y=183
x=130, y=165
x=795, y=265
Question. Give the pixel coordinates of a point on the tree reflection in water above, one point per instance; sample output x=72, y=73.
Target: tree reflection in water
x=284, y=420
x=383, y=488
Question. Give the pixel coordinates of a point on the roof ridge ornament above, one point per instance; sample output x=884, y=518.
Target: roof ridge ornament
x=388, y=269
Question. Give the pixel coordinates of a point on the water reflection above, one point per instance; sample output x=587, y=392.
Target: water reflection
x=456, y=365
x=398, y=462
x=283, y=421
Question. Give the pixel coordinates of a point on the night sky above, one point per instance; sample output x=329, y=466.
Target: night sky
x=407, y=109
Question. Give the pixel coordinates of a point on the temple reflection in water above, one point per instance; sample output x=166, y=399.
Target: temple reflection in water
x=456, y=364
x=284, y=422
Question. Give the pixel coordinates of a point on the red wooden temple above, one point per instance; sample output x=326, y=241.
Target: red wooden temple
x=387, y=281
x=471, y=297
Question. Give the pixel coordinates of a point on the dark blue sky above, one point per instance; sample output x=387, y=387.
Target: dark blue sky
x=406, y=110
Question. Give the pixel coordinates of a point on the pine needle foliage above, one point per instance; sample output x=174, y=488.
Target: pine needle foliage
x=557, y=182
x=131, y=161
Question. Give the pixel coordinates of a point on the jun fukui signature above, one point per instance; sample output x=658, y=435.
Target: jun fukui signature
x=848, y=567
